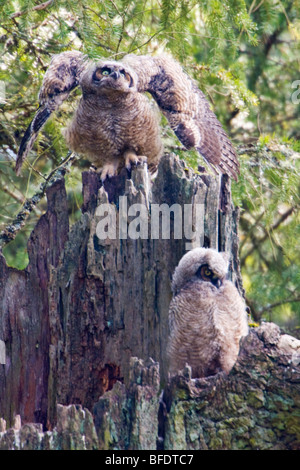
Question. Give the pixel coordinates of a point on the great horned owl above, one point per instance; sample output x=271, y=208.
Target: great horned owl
x=207, y=316
x=115, y=123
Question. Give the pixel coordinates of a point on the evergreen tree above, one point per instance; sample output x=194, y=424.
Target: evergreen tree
x=245, y=57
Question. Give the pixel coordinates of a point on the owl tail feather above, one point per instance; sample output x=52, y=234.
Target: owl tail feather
x=228, y=164
x=30, y=135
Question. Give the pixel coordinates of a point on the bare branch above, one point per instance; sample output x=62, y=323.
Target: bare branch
x=10, y=232
x=42, y=6
x=258, y=241
x=277, y=304
x=10, y=193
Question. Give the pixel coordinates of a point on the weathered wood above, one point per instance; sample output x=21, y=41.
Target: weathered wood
x=255, y=407
x=71, y=321
x=74, y=430
x=126, y=417
x=114, y=295
x=24, y=316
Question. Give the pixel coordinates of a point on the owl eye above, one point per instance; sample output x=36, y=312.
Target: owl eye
x=206, y=274
x=105, y=71
x=123, y=73
x=97, y=76
x=99, y=73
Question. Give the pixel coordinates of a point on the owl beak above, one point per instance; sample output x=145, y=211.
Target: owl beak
x=218, y=283
x=115, y=74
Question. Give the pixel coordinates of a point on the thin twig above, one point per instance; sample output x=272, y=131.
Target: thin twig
x=42, y=6
x=249, y=230
x=17, y=198
x=10, y=231
x=258, y=241
x=277, y=304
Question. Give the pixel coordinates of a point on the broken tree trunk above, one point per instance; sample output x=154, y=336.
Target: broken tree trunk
x=256, y=407
x=72, y=321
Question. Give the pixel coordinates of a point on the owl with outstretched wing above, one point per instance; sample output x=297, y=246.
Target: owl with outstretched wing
x=115, y=123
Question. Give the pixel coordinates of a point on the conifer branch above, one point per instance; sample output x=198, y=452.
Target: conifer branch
x=10, y=232
x=42, y=6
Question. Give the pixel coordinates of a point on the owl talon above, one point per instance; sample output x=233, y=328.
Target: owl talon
x=109, y=170
x=132, y=158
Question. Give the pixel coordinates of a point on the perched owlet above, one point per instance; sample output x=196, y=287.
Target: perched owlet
x=207, y=316
x=115, y=123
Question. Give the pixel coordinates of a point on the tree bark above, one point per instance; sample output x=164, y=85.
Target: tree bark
x=255, y=407
x=74, y=319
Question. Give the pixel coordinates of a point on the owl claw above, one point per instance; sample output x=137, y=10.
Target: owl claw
x=108, y=170
x=132, y=158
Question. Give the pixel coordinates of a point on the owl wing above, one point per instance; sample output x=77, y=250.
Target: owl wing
x=61, y=77
x=187, y=110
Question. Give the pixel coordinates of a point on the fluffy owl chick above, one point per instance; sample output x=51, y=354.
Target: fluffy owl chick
x=114, y=124
x=207, y=316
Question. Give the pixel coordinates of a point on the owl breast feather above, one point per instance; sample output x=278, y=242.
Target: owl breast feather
x=102, y=129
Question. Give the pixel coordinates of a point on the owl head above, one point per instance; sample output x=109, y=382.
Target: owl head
x=103, y=77
x=205, y=264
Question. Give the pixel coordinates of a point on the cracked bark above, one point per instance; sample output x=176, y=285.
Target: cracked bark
x=72, y=321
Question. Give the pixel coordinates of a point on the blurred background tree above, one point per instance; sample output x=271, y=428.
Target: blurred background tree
x=245, y=57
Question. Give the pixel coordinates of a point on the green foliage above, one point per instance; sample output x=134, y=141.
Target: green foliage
x=269, y=197
x=244, y=54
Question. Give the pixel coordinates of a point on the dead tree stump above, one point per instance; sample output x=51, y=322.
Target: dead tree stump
x=85, y=305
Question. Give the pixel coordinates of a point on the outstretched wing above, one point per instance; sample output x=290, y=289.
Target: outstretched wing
x=61, y=78
x=187, y=110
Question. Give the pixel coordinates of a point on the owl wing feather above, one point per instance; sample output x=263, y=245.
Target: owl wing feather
x=61, y=77
x=187, y=110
